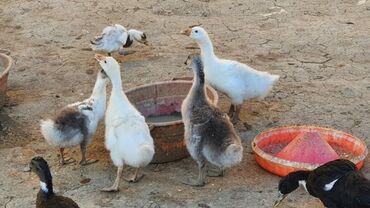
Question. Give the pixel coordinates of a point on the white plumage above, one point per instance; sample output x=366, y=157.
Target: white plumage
x=115, y=38
x=127, y=135
x=239, y=81
x=76, y=124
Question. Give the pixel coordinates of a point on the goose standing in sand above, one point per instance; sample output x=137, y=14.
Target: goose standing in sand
x=238, y=81
x=209, y=134
x=127, y=136
x=76, y=124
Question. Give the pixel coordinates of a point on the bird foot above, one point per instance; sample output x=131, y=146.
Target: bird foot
x=88, y=162
x=67, y=161
x=134, y=178
x=235, y=120
x=194, y=183
x=215, y=172
x=110, y=189
x=125, y=53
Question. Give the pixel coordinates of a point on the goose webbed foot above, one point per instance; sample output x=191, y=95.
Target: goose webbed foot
x=134, y=178
x=200, y=182
x=66, y=161
x=215, y=172
x=85, y=161
x=125, y=53
x=195, y=183
x=114, y=187
x=88, y=161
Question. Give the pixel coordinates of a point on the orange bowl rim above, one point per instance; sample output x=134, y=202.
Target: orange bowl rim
x=300, y=165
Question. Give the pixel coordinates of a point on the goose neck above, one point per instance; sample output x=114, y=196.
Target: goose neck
x=99, y=87
x=206, y=48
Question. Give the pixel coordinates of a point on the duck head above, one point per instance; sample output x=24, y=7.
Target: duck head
x=290, y=183
x=196, y=33
x=39, y=166
x=109, y=65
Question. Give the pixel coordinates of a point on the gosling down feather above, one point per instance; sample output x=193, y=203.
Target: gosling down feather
x=127, y=136
x=237, y=80
x=115, y=38
x=209, y=134
x=76, y=123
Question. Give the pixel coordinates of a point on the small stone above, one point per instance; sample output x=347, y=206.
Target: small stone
x=85, y=180
x=27, y=169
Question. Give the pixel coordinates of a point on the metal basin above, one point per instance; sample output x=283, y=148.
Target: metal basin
x=163, y=99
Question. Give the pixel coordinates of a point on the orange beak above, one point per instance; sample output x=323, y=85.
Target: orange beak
x=99, y=57
x=186, y=32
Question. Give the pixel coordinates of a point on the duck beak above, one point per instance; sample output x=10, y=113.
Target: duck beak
x=281, y=197
x=99, y=57
x=186, y=32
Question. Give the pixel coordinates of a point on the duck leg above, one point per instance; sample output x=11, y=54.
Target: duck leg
x=83, y=161
x=65, y=161
x=200, y=181
x=235, y=116
x=231, y=110
x=135, y=178
x=115, y=185
x=215, y=172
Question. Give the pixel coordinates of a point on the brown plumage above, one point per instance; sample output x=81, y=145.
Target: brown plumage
x=46, y=197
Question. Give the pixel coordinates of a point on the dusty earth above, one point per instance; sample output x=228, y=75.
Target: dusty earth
x=320, y=48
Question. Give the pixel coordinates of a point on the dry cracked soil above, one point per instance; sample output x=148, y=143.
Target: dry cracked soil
x=320, y=48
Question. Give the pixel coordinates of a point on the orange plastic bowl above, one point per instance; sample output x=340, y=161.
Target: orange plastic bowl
x=267, y=144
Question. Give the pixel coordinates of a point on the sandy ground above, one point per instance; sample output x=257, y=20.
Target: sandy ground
x=320, y=48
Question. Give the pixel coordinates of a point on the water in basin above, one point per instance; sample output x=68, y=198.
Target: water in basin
x=164, y=118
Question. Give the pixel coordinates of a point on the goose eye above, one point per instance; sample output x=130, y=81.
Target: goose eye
x=196, y=31
x=105, y=61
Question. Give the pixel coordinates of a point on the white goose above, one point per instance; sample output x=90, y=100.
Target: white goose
x=127, y=136
x=76, y=124
x=115, y=38
x=238, y=81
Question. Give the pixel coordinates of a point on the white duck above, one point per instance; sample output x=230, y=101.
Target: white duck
x=76, y=124
x=127, y=136
x=238, y=81
x=115, y=38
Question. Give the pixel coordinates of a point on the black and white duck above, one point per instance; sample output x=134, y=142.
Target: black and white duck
x=209, y=134
x=338, y=184
x=115, y=38
x=46, y=198
x=76, y=124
